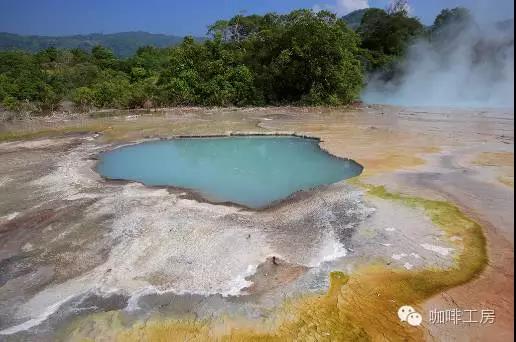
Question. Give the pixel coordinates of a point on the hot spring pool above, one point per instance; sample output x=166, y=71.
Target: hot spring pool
x=252, y=171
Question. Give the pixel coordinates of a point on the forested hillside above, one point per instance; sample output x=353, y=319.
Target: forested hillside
x=124, y=44
x=354, y=18
x=302, y=57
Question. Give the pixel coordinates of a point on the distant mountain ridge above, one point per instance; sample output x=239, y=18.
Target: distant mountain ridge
x=123, y=44
x=353, y=19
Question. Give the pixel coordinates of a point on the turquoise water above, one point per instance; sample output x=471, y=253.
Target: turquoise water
x=252, y=171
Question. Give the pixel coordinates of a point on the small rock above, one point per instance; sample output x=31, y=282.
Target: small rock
x=27, y=247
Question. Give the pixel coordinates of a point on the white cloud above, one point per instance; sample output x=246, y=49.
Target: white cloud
x=343, y=7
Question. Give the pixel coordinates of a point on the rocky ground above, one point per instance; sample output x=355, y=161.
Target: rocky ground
x=74, y=246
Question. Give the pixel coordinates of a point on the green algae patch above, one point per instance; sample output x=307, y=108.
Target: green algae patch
x=507, y=181
x=311, y=318
x=360, y=307
x=499, y=159
x=468, y=237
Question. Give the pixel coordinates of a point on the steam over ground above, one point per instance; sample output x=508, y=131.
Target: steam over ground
x=468, y=63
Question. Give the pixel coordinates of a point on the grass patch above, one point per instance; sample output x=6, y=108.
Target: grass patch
x=115, y=129
x=507, y=181
x=495, y=159
x=43, y=133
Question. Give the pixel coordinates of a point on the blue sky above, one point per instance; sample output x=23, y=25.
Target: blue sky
x=64, y=17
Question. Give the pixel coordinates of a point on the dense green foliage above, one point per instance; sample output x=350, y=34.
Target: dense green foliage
x=449, y=21
x=385, y=37
x=302, y=57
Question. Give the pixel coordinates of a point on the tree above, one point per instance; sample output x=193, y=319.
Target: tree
x=301, y=57
x=11, y=104
x=104, y=57
x=451, y=22
x=305, y=57
x=209, y=73
x=143, y=93
x=49, y=55
x=220, y=28
x=398, y=7
x=49, y=98
x=112, y=89
x=385, y=37
x=241, y=27
x=83, y=98
x=80, y=56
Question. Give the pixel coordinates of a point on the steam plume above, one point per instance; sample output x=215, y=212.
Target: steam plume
x=469, y=65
